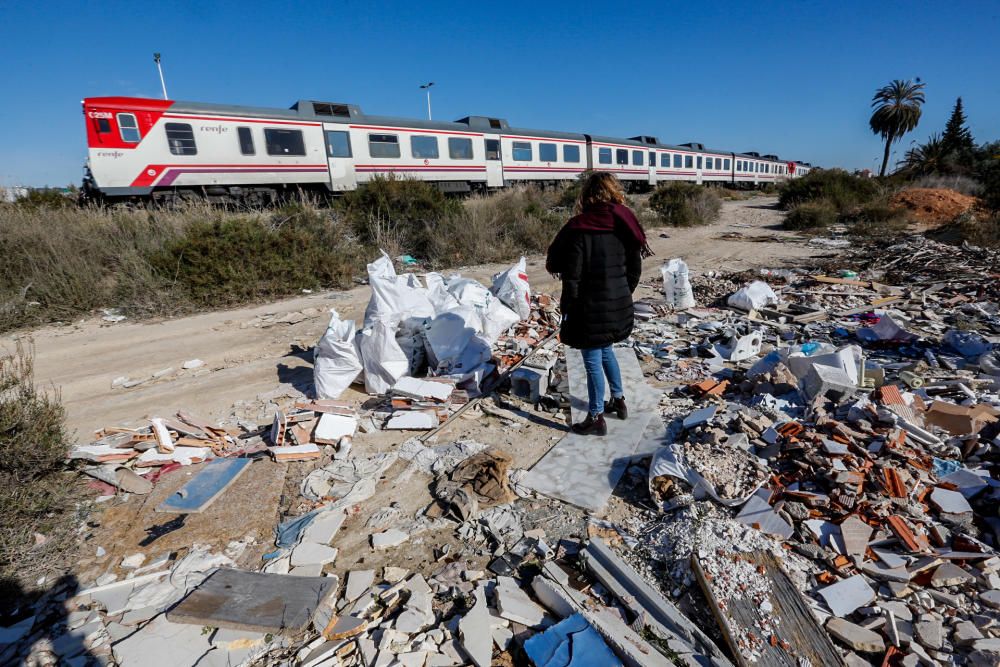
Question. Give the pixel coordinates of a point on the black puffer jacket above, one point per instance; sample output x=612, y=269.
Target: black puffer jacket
x=600, y=265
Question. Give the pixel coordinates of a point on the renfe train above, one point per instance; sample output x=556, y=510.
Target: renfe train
x=140, y=149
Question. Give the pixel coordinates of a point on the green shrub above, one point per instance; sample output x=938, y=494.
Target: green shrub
x=232, y=259
x=36, y=491
x=878, y=219
x=685, y=204
x=396, y=214
x=842, y=190
x=38, y=198
x=811, y=215
x=497, y=227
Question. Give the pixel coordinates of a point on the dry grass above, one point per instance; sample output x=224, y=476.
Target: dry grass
x=37, y=493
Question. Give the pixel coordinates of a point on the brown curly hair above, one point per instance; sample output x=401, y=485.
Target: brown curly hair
x=600, y=187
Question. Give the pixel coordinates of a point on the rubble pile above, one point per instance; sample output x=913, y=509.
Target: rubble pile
x=868, y=415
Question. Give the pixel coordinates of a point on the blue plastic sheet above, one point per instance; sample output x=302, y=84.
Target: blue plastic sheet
x=943, y=467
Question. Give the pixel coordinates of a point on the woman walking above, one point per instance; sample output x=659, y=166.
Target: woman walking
x=598, y=256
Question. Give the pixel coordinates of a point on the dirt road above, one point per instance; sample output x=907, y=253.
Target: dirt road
x=249, y=351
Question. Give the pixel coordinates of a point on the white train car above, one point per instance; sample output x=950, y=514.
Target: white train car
x=160, y=149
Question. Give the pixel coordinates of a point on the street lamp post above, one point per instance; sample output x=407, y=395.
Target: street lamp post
x=427, y=87
x=159, y=68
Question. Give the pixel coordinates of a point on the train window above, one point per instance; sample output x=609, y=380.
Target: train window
x=571, y=153
x=637, y=158
x=688, y=162
x=548, y=152
x=725, y=164
x=699, y=162
x=652, y=159
x=383, y=145
x=424, y=147
x=284, y=142
x=604, y=155
x=103, y=125
x=492, y=149
x=621, y=156
x=128, y=128
x=246, y=140
x=521, y=151
x=338, y=143
x=180, y=138
x=460, y=148
x=664, y=159
x=677, y=160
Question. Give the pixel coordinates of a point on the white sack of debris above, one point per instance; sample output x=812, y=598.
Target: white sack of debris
x=754, y=296
x=335, y=359
x=676, y=284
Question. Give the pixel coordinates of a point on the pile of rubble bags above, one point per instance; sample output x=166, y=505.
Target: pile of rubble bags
x=453, y=331
x=836, y=463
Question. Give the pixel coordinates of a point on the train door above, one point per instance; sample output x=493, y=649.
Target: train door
x=699, y=162
x=652, y=168
x=340, y=157
x=494, y=165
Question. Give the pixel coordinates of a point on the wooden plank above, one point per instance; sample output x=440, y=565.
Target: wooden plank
x=202, y=490
x=255, y=601
x=784, y=635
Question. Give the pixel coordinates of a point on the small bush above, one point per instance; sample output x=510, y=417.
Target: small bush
x=956, y=182
x=396, y=214
x=878, y=219
x=685, y=204
x=497, y=227
x=811, y=215
x=232, y=259
x=36, y=491
x=46, y=199
x=844, y=191
x=980, y=230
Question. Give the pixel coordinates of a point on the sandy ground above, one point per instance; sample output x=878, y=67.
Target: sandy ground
x=244, y=357
x=248, y=355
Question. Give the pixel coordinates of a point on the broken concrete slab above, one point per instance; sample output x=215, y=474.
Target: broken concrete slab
x=358, y=581
x=847, y=595
x=255, y=601
x=950, y=574
x=310, y=553
x=474, y=630
x=515, y=605
x=389, y=538
x=855, y=636
x=950, y=502
x=855, y=534
x=757, y=513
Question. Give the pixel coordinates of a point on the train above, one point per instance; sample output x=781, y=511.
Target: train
x=145, y=149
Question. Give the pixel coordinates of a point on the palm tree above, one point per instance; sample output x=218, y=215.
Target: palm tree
x=897, y=111
x=928, y=158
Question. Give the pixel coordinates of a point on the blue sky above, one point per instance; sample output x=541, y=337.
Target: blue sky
x=790, y=78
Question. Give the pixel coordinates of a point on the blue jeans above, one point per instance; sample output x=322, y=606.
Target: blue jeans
x=601, y=361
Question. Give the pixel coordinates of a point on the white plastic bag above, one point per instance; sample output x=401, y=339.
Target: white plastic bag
x=754, y=296
x=438, y=294
x=495, y=318
x=335, y=360
x=394, y=298
x=446, y=337
x=383, y=359
x=676, y=285
x=512, y=288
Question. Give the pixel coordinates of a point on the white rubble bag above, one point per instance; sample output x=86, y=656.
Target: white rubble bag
x=438, y=294
x=383, y=359
x=446, y=337
x=676, y=284
x=395, y=298
x=754, y=296
x=495, y=318
x=512, y=288
x=335, y=359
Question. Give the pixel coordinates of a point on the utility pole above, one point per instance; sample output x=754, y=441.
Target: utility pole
x=427, y=87
x=159, y=67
